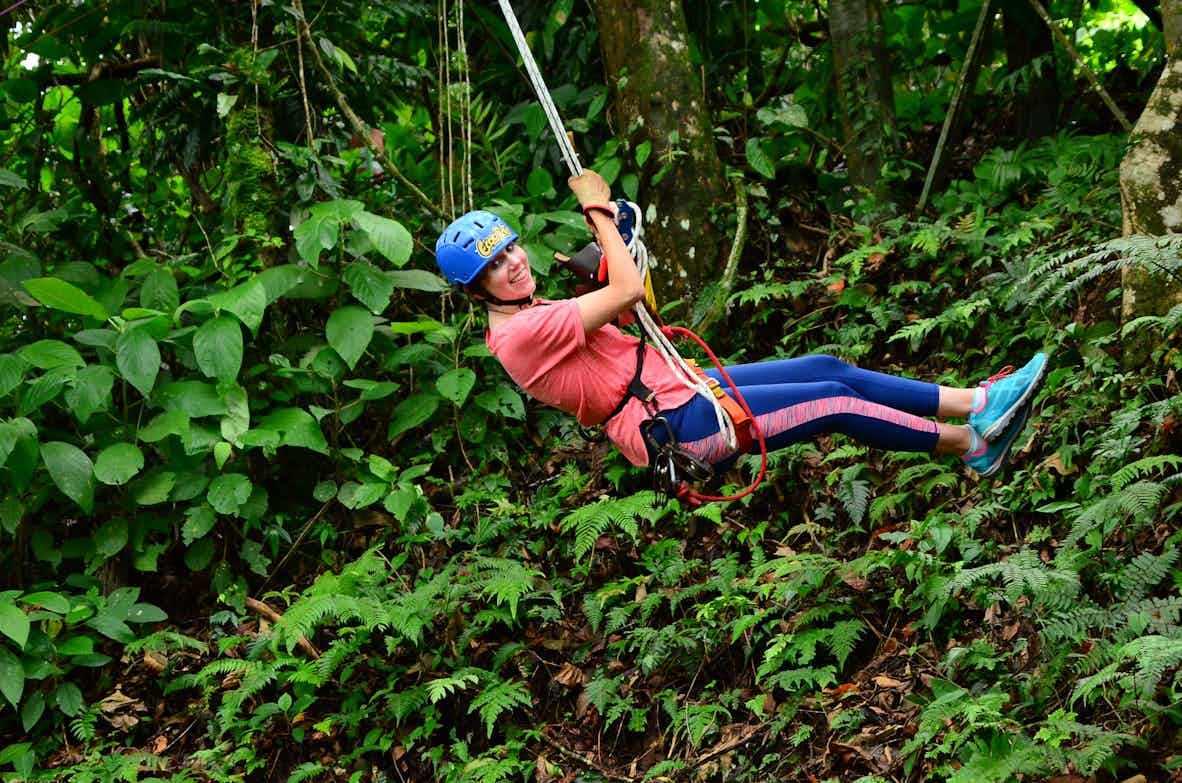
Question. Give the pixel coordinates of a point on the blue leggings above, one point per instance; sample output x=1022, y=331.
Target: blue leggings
x=797, y=399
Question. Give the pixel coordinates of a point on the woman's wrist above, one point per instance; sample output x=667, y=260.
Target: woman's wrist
x=590, y=210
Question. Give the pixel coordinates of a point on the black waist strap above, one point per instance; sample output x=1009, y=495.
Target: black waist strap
x=636, y=387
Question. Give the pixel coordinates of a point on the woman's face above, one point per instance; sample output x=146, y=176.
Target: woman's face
x=508, y=275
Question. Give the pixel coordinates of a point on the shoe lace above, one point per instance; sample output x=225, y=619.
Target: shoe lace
x=997, y=376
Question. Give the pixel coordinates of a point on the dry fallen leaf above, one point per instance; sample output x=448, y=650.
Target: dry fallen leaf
x=570, y=675
x=884, y=681
x=155, y=661
x=117, y=701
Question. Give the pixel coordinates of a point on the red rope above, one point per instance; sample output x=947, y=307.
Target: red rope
x=685, y=493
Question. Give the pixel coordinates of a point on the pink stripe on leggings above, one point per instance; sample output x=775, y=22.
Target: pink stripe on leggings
x=713, y=448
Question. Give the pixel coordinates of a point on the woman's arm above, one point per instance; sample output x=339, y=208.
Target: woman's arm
x=624, y=285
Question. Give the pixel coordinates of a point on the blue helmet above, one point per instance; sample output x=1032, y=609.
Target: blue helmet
x=466, y=246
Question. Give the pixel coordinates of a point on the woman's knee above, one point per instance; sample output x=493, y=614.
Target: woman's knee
x=830, y=365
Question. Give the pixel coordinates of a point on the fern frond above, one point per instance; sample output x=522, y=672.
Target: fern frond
x=591, y=521
x=442, y=687
x=502, y=696
x=503, y=580
x=1064, y=273
x=843, y=637
x=1145, y=572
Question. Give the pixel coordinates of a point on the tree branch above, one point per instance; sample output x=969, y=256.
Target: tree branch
x=1088, y=72
x=727, y=281
x=263, y=610
x=967, y=74
x=359, y=128
x=115, y=70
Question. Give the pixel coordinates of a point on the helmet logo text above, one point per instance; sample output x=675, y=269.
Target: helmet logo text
x=485, y=246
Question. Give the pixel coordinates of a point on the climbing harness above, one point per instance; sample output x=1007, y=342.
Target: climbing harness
x=672, y=464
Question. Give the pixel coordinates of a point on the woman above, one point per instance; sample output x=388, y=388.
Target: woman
x=568, y=354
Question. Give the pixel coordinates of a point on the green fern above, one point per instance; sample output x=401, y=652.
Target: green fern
x=309, y=770
x=442, y=687
x=591, y=521
x=1135, y=502
x=843, y=637
x=1142, y=467
x=502, y=696
x=1138, y=668
x=1169, y=322
x=1022, y=574
x=1064, y=273
x=1145, y=572
x=503, y=580
x=854, y=493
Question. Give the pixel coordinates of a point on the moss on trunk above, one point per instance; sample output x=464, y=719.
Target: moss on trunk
x=1151, y=195
x=658, y=97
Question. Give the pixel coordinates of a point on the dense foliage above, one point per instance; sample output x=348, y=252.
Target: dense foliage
x=270, y=510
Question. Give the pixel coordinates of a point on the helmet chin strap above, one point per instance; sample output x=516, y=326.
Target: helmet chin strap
x=508, y=302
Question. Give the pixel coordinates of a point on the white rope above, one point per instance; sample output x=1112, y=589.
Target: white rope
x=668, y=352
x=535, y=77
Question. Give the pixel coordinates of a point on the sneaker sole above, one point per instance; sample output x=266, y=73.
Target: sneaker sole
x=1002, y=458
x=999, y=426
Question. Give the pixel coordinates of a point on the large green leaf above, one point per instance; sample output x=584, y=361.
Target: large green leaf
x=32, y=710
x=72, y=472
x=175, y=422
x=758, y=158
x=48, y=354
x=60, y=295
x=278, y=280
x=110, y=538
x=54, y=602
x=22, y=462
x=419, y=280
x=199, y=520
x=90, y=391
x=456, y=384
x=217, y=344
x=349, y=331
x=322, y=228
x=119, y=463
x=69, y=698
x=12, y=372
x=138, y=359
x=14, y=623
x=502, y=400
x=227, y=493
x=372, y=286
x=154, y=487
x=237, y=418
x=195, y=398
x=159, y=290
x=296, y=427
x=247, y=301
x=12, y=677
x=411, y=412
x=388, y=237
x=46, y=388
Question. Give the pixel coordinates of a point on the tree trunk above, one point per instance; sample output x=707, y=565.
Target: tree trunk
x=1151, y=181
x=1027, y=39
x=658, y=97
x=863, y=90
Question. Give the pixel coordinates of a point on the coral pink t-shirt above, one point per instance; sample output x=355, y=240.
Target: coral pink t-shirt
x=549, y=354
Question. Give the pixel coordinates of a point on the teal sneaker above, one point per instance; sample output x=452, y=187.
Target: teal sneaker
x=988, y=459
x=1005, y=394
